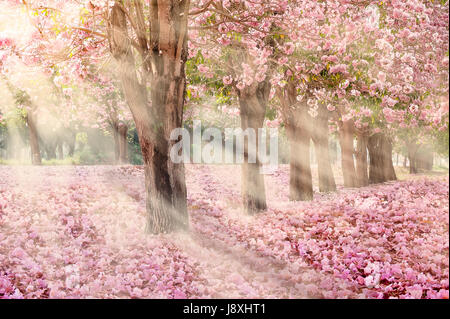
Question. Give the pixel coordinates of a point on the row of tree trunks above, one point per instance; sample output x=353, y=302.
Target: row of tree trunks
x=346, y=132
x=253, y=105
x=155, y=118
x=34, y=139
x=425, y=159
x=420, y=157
x=381, y=167
x=321, y=145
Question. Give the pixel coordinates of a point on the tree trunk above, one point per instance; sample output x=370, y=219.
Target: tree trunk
x=300, y=177
x=115, y=130
x=71, y=143
x=381, y=165
x=298, y=129
x=412, y=148
x=123, y=144
x=320, y=139
x=361, y=161
x=253, y=104
x=60, y=147
x=164, y=180
x=348, y=163
x=50, y=150
x=34, y=142
x=412, y=164
x=389, y=168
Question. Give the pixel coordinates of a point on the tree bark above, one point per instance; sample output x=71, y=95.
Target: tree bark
x=320, y=139
x=34, y=142
x=348, y=163
x=361, y=161
x=381, y=166
x=167, y=55
x=253, y=104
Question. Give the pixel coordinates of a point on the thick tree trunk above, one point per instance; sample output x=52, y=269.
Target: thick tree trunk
x=381, y=165
x=164, y=180
x=34, y=142
x=361, y=161
x=123, y=144
x=347, y=150
x=253, y=104
x=320, y=139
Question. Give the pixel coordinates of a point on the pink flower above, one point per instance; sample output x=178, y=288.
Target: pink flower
x=227, y=80
x=331, y=107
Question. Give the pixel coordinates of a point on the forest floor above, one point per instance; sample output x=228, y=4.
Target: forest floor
x=78, y=231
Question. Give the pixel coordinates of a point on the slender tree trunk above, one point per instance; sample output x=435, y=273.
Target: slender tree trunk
x=123, y=144
x=412, y=164
x=320, y=139
x=253, y=104
x=71, y=143
x=60, y=147
x=348, y=163
x=115, y=130
x=164, y=180
x=361, y=161
x=34, y=142
x=404, y=161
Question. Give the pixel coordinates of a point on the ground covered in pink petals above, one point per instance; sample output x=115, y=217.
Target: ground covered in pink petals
x=78, y=232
